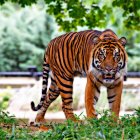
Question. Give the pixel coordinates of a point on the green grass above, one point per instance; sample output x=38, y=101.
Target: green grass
x=4, y=98
x=103, y=128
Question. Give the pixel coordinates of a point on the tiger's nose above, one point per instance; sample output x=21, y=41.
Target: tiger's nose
x=108, y=68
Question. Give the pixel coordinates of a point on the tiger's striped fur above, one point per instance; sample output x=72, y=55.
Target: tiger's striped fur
x=99, y=55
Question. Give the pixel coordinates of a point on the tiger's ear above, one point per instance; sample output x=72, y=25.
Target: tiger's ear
x=123, y=41
x=96, y=39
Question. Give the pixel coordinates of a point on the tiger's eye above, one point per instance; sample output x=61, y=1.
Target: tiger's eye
x=117, y=56
x=101, y=56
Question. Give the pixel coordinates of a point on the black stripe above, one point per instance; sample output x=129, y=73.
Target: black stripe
x=98, y=80
x=46, y=65
x=117, y=78
x=65, y=77
x=54, y=91
x=90, y=34
x=46, y=71
x=66, y=98
x=63, y=45
x=59, y=42
x=60, y=66
x=42, y=99
x=68, y=109
x=67, y=86
x=53, y=80
x=44, y=92
x=87, y=66
x=65, y=92
x=56, y=95
x=98, y=90
x=67, y=103
x=83, y=65
x=123, y=50
x=45, y=82
x=83, y=52
x=45, y=106
x=69, y=49
x=96, y=98
x=70, y=79
x=111, y=101
x=111, y=87
x=94, y=54
x=52, y=99
x=110, y=97
x=51, y=90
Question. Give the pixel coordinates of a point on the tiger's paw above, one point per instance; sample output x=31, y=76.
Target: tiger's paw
x=92, y=115
x=39, y=126
x=38, y=121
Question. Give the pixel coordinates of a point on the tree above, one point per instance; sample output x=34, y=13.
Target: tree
x=23, y=40
x=70, y=14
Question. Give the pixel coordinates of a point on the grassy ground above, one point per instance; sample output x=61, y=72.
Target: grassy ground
x=103, y=128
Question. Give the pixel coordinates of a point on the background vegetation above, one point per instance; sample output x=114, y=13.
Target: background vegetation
x=24, y=35
x=26, y=30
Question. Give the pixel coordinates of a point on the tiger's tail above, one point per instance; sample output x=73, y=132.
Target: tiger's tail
x=46, y=70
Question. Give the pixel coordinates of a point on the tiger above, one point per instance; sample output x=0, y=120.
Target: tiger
x=100, y=55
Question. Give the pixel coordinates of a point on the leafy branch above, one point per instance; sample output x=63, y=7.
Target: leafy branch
x=70, y=14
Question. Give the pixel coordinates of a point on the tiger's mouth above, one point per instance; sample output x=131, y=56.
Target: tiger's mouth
x=108, y=76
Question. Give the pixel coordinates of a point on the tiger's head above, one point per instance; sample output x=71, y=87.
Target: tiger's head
x=109, y=58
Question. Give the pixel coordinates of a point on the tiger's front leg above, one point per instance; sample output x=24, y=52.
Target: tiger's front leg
x=114, y=98
x=92, y=94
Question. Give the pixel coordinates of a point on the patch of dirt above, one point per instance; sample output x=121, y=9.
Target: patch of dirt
x=24, y=124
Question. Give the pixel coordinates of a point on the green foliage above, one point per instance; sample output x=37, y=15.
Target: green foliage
x=4, y=98
x=127, y=127
x=22, y=2
x=72, y=13
x=134, y=56
x=6, y=118
x=23, y=40
x=131, y=12
x=4, y=103
x=134, y=64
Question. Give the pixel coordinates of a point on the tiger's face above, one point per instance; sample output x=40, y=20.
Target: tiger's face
x=109, y=60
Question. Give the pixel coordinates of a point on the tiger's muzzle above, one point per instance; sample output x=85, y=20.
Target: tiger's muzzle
x=108, y=76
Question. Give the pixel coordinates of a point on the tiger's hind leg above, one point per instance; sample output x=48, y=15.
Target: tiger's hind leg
x=52, y=94
x=66, y=89
x=114, y=98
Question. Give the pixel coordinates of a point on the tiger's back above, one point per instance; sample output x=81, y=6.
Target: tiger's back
x=71, y=53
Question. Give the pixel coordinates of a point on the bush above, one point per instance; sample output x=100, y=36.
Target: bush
x=23, y=40
x=5, y=97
